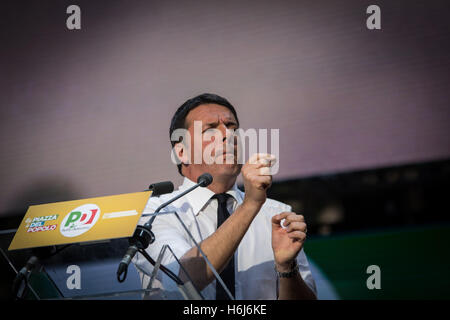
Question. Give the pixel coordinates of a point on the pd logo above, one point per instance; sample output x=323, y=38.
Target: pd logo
x=80, y=220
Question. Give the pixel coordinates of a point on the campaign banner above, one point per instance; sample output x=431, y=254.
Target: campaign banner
x=82, y=220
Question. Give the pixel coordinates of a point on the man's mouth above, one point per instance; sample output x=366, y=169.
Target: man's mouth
x=225, y=154
x=227, y=157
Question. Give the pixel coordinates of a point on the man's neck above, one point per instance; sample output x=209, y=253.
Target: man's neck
x=221, y=187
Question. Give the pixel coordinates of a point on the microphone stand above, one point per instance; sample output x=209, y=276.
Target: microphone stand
x=143, y=237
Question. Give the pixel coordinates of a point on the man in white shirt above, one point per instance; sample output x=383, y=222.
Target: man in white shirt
x=258, y=257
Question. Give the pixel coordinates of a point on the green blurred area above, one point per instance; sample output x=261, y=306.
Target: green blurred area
x=414, y=262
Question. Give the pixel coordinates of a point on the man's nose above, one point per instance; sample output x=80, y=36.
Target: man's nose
x=226, y=133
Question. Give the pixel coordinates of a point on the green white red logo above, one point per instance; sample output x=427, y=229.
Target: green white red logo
x=80, y=220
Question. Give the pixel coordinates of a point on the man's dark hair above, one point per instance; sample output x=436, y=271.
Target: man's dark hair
x=179, y=118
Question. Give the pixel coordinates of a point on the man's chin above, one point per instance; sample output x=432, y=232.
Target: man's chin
x=228, y=168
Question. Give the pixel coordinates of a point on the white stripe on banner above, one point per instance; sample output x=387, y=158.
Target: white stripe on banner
x=119, y=214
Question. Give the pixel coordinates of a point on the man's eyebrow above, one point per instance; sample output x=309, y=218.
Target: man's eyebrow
x=211, y=124
x=215, y=123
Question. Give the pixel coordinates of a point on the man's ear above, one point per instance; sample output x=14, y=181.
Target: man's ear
x=181, y=152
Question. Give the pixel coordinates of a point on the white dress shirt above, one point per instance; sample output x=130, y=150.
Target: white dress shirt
x=255, y=277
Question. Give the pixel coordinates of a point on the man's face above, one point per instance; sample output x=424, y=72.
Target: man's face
x=212, y=142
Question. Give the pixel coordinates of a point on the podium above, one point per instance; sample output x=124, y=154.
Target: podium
x=76, y=271
x=87, y=270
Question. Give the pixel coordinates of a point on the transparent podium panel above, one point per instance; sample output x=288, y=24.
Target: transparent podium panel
x=188, y=290
x=78, y=271
x=169, y=282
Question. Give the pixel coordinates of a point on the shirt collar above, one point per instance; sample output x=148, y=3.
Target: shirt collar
x=200, y=196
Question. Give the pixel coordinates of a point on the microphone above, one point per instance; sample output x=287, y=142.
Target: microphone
x=131, y=251
x=205, y=180
x=23, y=274
x=33, y=262
x=143, y=235
x=160, y=188
x=202, y=181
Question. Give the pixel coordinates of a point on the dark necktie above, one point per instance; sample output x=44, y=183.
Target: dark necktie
x=227, y=274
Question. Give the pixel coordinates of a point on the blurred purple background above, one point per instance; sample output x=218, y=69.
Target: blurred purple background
x=86, y=113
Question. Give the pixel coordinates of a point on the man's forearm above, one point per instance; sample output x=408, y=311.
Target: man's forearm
x=294, y=289
x=220, y=246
